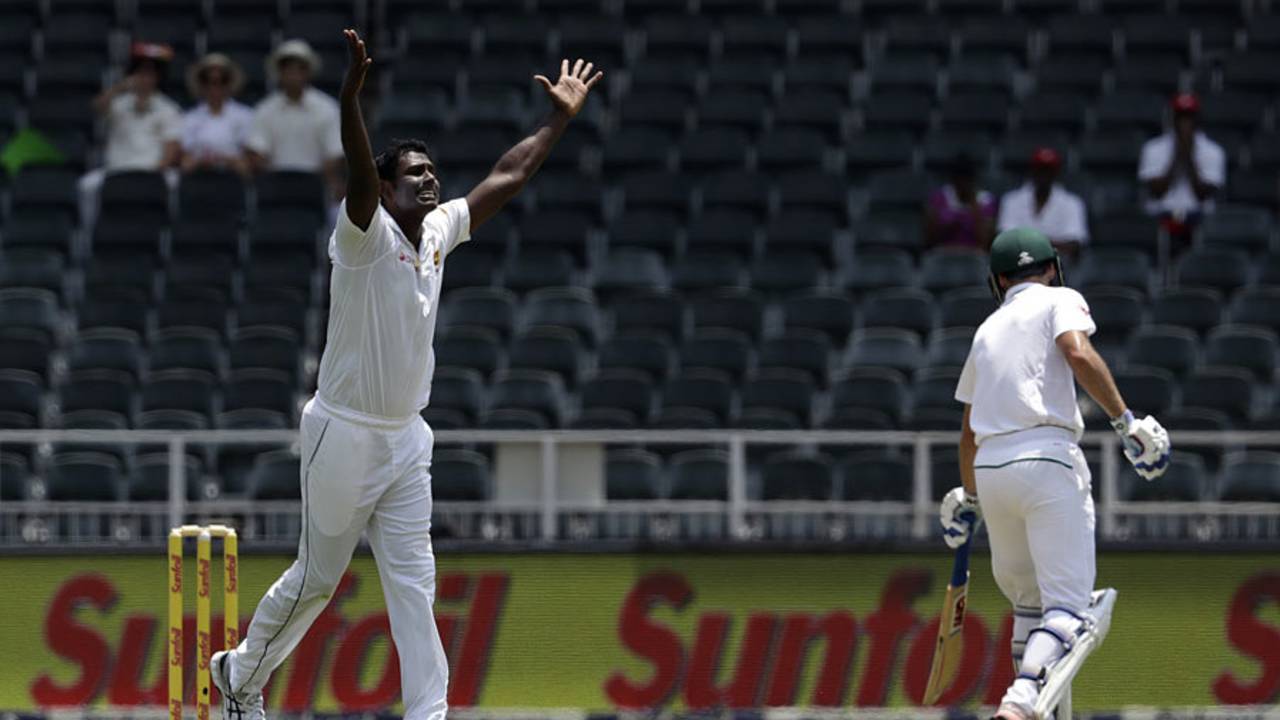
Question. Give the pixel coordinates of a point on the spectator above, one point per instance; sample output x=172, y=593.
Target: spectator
x=215, y=133
x=959, y=214
x=1182, y=170
x=1045, y=205
x=143, y=126
x=296, y=127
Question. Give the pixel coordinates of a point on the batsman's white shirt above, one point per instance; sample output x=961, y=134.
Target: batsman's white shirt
x=384, y=300
x=1015, y=378
x=1033, y=480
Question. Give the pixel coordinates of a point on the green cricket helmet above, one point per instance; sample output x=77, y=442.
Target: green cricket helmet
x=1017, y=252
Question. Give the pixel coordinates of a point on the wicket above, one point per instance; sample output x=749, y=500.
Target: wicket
x=204, y=535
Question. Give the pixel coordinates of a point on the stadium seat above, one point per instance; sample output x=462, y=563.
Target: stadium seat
x=793, y=475
x=460, y=389
x=554, y=349
x=803, y=349
x=14, y=477
x=532, y=391
x=37, y=233
x=110, y=348
x=814, y=109
x=25, y=349
x=621, y=389
x=644, y=351
x=459, y=475
x=1115, y=310
x=275, y=348
x=1223, y=270
x=879, y=150
x=467, y=346
x=965, y=307
x=879, y=268
x=535, y=268
x=126, y=276
x=632, y=474
x=491, y=308
x=885, y=347
x=901, y=308
x=700, y=389
x=30, y=308
x=173, y=420
x=655, y=229
x=790, y=148
x=870, y=388
x=1257, y=306
x=201, y=309
x=275, y=475
x=702, y=271
x=1227, y=389
x=626, y=270
x=949, y=347
x=149, y=481
x=657, y=311
x=1148, y=388
x=713, y=148
x=97, y=390
x=45, y=192
x=566, y=307
x=211, y=236
x=781, y=390
x=982, y=111
x=717, y=348
x=761, y=418
x=1186, y=480
x=1115, y=267
x=739, y=199
x=135, y=193
x=636, y=148
x=733, y=309
x=935, y=388
x=947, y=270
x=1198, y=309
x=90, y=476
x=1253, y=349
x=211, y=195
x=260, y=388
x=724, y=231
x=874, y=475
x=179, y=389
x=21, y=393
x=829, y=313
x=186, y=347
x=1164, y=346
x=785, y=271
x=1236, y=226
x=700, y=475
x=1251, y=477
x=804, y=229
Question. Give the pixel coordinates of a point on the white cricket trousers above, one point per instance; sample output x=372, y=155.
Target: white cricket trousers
x=358, y=474
x=1033, y=486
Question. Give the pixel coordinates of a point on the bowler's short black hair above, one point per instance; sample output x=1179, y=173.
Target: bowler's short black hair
x=389, y=159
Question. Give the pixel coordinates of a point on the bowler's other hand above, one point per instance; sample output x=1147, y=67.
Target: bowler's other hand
x=357, y=65
x=569, y=93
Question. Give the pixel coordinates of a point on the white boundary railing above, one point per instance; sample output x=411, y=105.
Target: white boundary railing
x=549, y=509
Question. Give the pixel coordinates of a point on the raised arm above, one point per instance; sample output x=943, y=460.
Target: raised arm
x=362, y=173
x=518, y=164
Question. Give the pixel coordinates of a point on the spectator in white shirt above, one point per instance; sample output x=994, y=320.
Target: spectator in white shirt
x=215, y=133
x=1182, y=169
x=1045, y=205
x=143, y=126
x=296, y=127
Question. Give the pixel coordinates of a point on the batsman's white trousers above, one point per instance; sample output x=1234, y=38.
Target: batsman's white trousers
x=358, y=474
x=1033, y=486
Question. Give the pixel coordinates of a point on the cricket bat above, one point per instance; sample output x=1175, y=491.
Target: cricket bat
x=946, y=651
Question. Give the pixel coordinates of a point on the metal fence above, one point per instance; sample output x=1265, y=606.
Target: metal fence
x=550, y=516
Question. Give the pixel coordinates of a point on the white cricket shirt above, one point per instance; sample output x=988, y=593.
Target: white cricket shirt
x=1062, y=219
x=1180, y=199
x=384, y=297
x=1015, y=378
x=136, y=137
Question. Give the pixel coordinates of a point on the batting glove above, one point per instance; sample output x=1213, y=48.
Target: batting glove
x=960, y=515
x=1146, y=444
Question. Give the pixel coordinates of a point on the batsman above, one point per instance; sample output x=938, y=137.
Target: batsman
x=1023, y=472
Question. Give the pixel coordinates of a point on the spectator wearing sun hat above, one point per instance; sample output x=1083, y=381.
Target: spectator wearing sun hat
x=1182, y=169
x=1043, y=204
x=215, y=133
x=296, y=126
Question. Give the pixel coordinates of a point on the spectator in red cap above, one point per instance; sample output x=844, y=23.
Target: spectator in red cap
x=143, y=126
x=1182, y=170
x=1042, y=203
